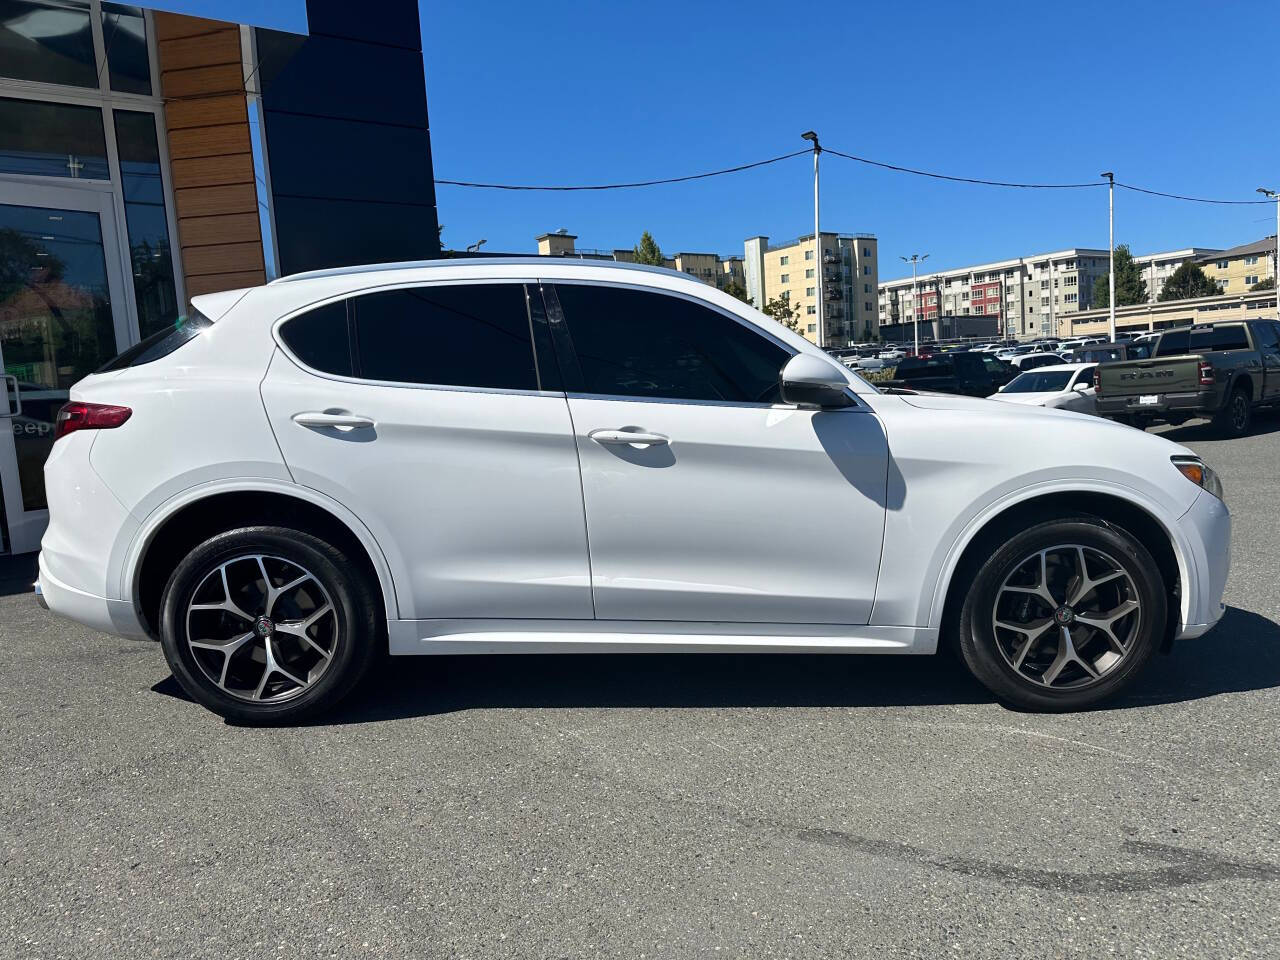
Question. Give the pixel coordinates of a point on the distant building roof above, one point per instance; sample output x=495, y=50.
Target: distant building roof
x=1265, y=245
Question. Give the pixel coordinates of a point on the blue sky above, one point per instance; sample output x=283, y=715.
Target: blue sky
x=1173, y=95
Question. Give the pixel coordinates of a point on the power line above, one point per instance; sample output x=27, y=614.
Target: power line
x=944, y=176
x=621, y=186
x=1174, y=196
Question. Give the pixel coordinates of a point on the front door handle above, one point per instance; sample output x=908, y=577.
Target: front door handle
x=340, y=421
x=628, y=437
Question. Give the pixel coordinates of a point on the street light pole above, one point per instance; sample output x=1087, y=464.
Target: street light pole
x=1275, y=195
x=915, y=295
x=817, y=237
x=1111, y=250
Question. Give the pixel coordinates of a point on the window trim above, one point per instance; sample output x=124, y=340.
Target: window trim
x=405, y=285
x=573, y=376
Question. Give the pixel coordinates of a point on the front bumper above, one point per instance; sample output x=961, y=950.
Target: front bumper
x=110, y=616
x=1207, y=530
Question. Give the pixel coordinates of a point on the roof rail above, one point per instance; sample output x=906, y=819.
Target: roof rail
x=555, y=263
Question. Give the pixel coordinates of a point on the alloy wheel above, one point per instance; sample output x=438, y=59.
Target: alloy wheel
x=1066, y=616
x=1239, y=412
x=262, y=628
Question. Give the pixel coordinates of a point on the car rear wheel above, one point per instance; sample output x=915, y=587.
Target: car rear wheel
x=1064, y=615
x=1235, y=416
x=268, y=625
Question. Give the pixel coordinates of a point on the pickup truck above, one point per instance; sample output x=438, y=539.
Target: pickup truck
x=970, y=374
x=1221, y=370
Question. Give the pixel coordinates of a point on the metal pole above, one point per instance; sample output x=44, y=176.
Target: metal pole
x=1111, y=251
x=817, y=238
x=915, y=304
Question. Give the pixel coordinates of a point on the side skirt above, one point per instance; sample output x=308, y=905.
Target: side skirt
x=650, y=636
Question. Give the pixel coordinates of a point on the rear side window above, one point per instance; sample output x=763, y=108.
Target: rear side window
x=461, y=335
x=1172, y=344
x=1223, y=336
x=161, y=343
x=634, y=343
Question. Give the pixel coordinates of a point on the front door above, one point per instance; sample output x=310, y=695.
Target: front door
x=61, y=292
x=706, y=498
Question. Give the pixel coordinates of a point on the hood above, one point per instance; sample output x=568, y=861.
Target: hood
x=1032, y=399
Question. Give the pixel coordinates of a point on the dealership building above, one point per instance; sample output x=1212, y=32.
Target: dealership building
x=148, y=157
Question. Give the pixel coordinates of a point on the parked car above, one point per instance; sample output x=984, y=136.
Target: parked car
x=1068, y=386
x=971, y=374
x=893, y=353
x=522, y=455
x=1030, y=361
x=868, y=363
x=1223, y=370
x=1111, y=352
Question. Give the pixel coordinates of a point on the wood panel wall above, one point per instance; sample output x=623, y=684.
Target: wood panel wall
x=202, y=80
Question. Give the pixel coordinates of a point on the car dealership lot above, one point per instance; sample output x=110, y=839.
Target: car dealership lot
x=664, y=805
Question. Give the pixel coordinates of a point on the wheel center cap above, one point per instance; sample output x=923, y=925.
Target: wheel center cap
x=1064, y=616
x=263, y=627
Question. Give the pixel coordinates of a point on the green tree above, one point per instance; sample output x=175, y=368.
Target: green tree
x=735, y=289
x=1130, y=287
x=1186, y=283
x=1267, y=284
x=784, y=311
x=648, y=251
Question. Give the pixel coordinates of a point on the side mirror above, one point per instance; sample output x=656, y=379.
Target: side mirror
x=1081, y=387
x=813, y=381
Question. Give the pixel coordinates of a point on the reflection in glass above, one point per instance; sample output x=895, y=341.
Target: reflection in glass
x=50, y=41
x=55, y=322
x=52, y=140
x=144, y=216
x=124, y=36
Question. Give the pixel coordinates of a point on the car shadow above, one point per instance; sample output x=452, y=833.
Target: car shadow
x=1242, y=653
x=1264, y=422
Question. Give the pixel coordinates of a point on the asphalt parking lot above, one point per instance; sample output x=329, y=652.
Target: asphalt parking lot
x=657, y=806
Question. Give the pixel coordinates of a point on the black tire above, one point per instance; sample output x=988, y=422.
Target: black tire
x=355, y=636
x=1236, y=415
x=982, y=650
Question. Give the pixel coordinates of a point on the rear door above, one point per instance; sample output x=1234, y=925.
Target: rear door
x=423, y=410
x=728, y=506
x=1266, y=334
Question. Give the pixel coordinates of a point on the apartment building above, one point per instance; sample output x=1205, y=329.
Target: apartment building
x=843, y=267
x=1238, y=269
x=1029, y=296
x=1158, y=267
x=720, y=272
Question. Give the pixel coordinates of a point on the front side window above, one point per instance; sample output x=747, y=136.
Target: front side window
x=638, y=343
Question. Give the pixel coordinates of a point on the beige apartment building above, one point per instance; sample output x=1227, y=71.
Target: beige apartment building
x=1158, y=267
x=720, y=272
x=1238, y=269
x=1029, y=296
x=843, y=269
x=1142, y=317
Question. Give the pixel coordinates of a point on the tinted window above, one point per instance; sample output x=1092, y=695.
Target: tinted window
x=159, y=344
x=47, y=40
x=52, y=139
x=145, y=218
x=319, y=338
x=1172, y=344
x=1032, y=362
x=465, y=335
x=1267, y=334
x=915, y=367
x=1086, y=377
x=634, y=343
x=124, y=34
x=993, y=365
x=1224, y=336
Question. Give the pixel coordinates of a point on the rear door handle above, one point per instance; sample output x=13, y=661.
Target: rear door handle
x=340, y=421
x=608, y=437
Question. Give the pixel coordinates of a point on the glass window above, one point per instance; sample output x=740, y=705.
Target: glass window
x=465, y=335
x=1041, y=381
x=144, y=213
x=124, y=35
x=52, y=140
x=49, y=41
x=1085, y=377
x=161, y=343
x=1223, y=336
x=635, y=343
x=320, y=338
x=1173, y=343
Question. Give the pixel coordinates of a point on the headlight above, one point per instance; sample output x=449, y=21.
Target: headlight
x=1199, y=473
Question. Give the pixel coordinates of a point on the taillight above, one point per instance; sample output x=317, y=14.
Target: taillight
x=1206, y=373
x=88, y=416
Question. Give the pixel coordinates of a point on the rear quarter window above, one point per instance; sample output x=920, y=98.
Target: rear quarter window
x=161, y=343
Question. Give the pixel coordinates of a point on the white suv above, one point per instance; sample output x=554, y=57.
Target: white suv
x=527, y=455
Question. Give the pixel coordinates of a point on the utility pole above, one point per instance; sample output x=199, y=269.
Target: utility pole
x=817, y=238
x=1111, y=251
x=1275, y=195
x=915, y=295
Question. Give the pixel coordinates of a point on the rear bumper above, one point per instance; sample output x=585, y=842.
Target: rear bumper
x=110, y=616
x=1165, y=403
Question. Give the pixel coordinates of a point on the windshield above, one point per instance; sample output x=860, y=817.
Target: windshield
x=1040, y=381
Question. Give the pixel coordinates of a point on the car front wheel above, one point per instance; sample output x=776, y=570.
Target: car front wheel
x=268, y=625
x=1063, y=615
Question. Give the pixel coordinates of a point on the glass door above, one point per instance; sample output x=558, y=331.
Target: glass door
x=61, y=317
